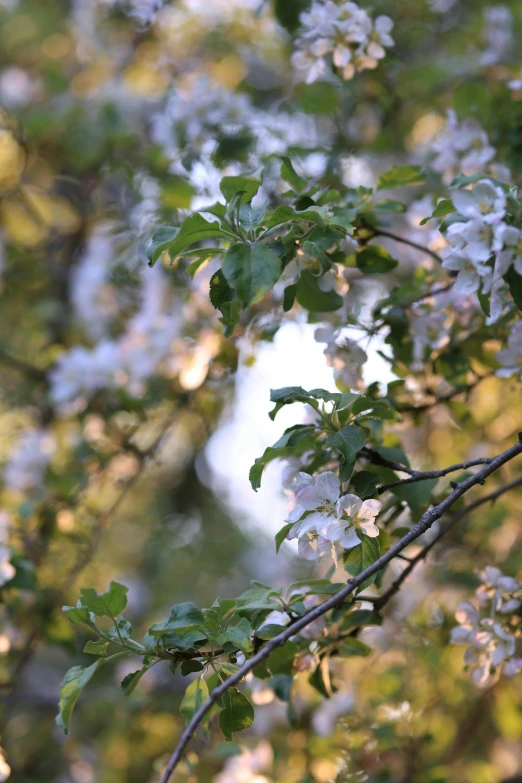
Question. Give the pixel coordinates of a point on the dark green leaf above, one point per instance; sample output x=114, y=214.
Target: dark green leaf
x=251, y=270
x=247, y=186
x=316, y=251
x=109, y=604
x=289, y=174
x=313, y=298
x=237, y=713
x=182, y=617
x=129, y=683
x=416, y=495
x=190, y=666
x=193, y=229
x=289, y=295
x=240, y=636
x=364, y=484
x=375, y=260
x=361, y=557
x=352, y=646
x=281, y=535
x=443, y=208
x=390, y=206
x=514, y=280
x=161, y=239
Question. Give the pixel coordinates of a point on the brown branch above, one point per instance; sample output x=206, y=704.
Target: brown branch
x=396, y=238
x=431, y=474
x=394, y=588
x=425, y=522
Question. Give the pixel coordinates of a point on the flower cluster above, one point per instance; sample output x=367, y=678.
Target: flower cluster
x=345, y=356
x=343, y=34
x=461, y=146
x=28, y=460
x=322, y=517
x=126, y=362
x=482, y=245
x=498, y=32
x=489, y=628
x=511, y=357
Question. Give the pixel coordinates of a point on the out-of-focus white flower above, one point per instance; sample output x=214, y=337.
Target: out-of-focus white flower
x=17, y=87
x=358, y=516
x=7, y=569
x=344, y=355
x=461, y=146
x=342, y=34
x=511, y=357
x=5, y=769
x=511, y=253
x=28, y=460
x=498, y=32
x=92, y=297
x=487, y=630
x=246, y=766
x=326, y=716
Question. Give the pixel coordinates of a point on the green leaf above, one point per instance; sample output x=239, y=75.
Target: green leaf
x=269, y=631
x=220, y=291
x=416, y=495
x=286, y=214
x=195, y=696
x=398, y=176
x=289, y=443
x=73, y=683
x=347, y=442
x=281, y=660
x=514, y=280
x=443, y=208
x=240, y=636
x=364, y=484
x=251, y=270
x=352, y=646
x=231, y=316
x=361, y=618
x=191, y=666
x=192, y=230
x=375, y=260
x=313, y=298
x=161, y=239
x=390, y=206
x=129, y=683
x=78, y=614
x=281, y=535
x=98, y=647
x=184, y=640
x=289, y=174
x=289, y=295
x=122, y=629
x=237, y=713
x=359, y=558
x=109, y=604
x=463, y=180
x=182, y=617
x=256, y=598
x=316, y=251
x=247, y=186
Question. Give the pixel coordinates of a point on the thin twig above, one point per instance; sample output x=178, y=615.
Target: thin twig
x=431, y=474
x=396, y=238
x=394, y=588
x=425, y=522
x=444, y=397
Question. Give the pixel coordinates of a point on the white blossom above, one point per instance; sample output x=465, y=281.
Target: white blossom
x=246, y=766
x=92, y=297
x=7, y=569
x=28, y=460
x=461, y=146
x=498, y=32
x=322, y=517
x=342, y=34
x=511, y=357
x=486, y=202
x=344, y=355
x=326, y=716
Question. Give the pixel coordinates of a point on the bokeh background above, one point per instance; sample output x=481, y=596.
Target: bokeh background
x=117, y=117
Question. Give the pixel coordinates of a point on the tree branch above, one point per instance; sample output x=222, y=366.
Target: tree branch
x=394, y=588
x=425, y=522
x=430, y=474
x=396, y=238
